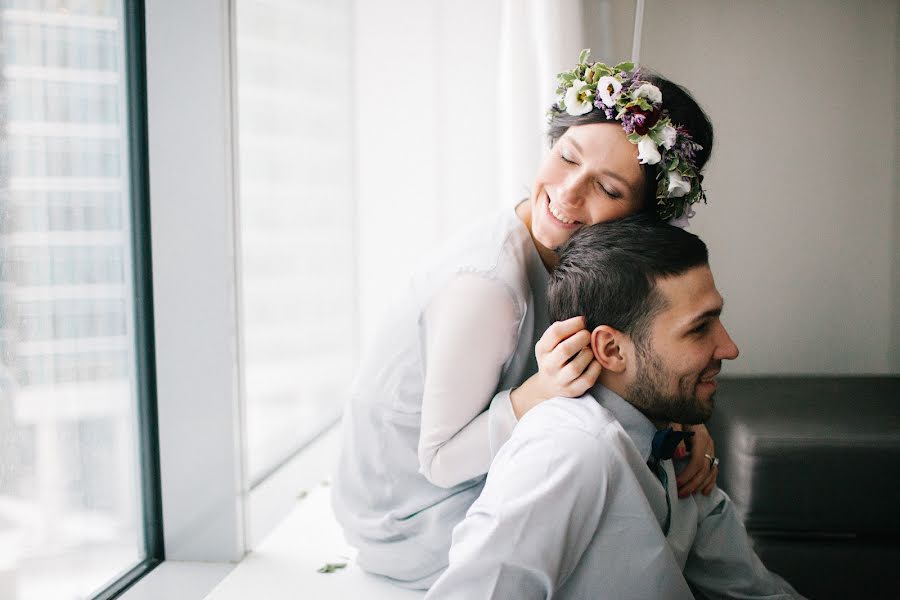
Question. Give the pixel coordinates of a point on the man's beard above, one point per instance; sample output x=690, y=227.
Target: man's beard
x=648, y=393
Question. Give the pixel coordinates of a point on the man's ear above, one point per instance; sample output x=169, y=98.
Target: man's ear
x=607, y=344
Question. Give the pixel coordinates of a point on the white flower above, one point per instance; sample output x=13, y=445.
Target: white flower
x=647, y=152
x=578, y=99
x=668, y=135
x=650, y=92
x=609, y=89
x=678, y=185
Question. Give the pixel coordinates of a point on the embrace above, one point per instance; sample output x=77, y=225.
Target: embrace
x=581, y=501
x=529, y=421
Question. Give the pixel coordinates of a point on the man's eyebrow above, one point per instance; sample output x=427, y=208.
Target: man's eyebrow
x=713, y=312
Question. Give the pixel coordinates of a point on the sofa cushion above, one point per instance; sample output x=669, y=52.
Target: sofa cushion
x=832, y=569
x=811, y=455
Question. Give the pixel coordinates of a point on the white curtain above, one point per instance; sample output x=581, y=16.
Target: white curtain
x=449, y=118
x=539, y=38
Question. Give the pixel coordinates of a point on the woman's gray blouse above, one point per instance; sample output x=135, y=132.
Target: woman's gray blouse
x=482, y=294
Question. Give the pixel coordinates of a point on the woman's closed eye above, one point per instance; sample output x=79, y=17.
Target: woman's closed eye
x=614, y=194
x=610, y=192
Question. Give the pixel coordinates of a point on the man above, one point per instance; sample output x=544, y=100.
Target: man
x=582, y=502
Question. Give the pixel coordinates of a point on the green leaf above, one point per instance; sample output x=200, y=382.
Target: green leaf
x=625, y=66
x=332, y=567
x=602, y=70
x=584, y=55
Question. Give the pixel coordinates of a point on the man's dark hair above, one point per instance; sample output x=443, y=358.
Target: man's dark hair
x=608, y=273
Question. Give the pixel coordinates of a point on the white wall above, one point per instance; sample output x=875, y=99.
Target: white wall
x=801, y=221
x=895, y=343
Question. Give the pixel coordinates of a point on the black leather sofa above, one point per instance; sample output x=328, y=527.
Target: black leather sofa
x=813, y=466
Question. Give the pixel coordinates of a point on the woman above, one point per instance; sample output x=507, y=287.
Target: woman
x=455, y=363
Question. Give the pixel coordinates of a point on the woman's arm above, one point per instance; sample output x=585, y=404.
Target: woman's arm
x=471, y=329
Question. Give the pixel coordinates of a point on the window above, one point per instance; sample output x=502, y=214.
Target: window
x=73, y=352
x=297, y=221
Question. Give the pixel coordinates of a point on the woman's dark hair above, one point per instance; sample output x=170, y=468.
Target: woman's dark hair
x=608, y=273
x=683, y=110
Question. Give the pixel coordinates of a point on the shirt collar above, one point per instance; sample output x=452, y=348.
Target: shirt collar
x=638, y=427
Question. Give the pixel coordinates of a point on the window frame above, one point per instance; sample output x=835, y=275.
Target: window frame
x=142, y=289
x=184, y=112
x=190, y=115
x=136, y=70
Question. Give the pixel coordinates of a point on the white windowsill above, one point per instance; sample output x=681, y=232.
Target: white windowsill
x=174, y=580
x=286, y=564
x=293, y=533
x=284, y=567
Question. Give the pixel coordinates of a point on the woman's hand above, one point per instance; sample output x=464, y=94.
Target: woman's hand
x=699, y=474
x=566, y=366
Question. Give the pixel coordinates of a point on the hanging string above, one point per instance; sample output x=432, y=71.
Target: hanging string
x=638, y=27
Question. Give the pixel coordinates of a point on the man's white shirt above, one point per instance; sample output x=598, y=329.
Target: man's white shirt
x=570, y=509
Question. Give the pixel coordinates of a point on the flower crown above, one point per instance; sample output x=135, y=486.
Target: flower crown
x=621, y=94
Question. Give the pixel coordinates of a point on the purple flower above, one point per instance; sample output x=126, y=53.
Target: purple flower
x=644, y=120
x=628, y=123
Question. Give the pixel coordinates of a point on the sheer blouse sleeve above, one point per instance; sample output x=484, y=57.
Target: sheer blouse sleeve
x=471, y=329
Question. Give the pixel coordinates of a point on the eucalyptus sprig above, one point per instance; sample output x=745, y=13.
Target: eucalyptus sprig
x=331, y=567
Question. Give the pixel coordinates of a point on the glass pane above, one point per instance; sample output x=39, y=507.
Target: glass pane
x=297, y=220
x=70, y=506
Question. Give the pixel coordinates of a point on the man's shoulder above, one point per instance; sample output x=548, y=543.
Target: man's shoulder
x=576, y=425
x=584, y=414
x=565, y=443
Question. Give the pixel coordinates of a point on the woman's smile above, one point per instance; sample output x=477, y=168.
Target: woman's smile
x=590, y=175
x=562, y=218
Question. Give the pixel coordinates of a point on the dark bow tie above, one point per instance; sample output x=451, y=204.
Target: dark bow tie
x=665, y=441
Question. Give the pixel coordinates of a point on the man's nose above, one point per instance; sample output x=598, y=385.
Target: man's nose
x=727, y=349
